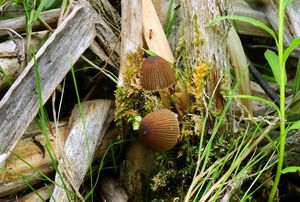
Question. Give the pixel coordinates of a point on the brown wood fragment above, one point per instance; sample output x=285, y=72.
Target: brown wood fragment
x=20, y=104
x=88, y=125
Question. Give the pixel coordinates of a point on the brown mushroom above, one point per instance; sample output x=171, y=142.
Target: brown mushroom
x=159, y=130
x=158, y=75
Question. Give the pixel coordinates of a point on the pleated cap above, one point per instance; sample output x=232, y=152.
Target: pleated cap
x=156, y=74
x=159, y=130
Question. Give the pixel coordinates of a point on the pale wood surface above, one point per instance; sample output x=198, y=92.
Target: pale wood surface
x=87, y=129
x=19, y=24
x=20, y=104
x=131, y=38
x=153, y=32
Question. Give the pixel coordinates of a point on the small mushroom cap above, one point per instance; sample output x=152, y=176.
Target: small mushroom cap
x=156, y=74
x=159, y=130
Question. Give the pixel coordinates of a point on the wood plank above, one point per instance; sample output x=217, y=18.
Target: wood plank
x=87, y=128
x=20, y=104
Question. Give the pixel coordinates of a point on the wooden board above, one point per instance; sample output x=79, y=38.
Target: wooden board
x=20, y=104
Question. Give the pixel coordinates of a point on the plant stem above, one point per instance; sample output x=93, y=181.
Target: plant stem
x=282, y=101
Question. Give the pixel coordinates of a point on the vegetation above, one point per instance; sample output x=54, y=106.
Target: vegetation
x=217, y=156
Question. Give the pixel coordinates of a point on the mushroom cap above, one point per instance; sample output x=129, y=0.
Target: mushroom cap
x=156, y=74
x=159, y=130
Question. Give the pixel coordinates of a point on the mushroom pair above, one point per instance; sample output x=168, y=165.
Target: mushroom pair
x=158, y=130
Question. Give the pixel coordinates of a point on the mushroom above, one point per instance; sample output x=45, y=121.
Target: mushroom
x=158, y=75
x=159, y=130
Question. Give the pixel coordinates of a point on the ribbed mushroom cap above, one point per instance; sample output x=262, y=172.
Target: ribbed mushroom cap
x=159, y=130
x=156, y=74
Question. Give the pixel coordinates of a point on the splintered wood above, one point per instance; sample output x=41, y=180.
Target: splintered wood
x=20, y=104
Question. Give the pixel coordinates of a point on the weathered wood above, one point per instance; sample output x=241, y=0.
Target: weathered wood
x=162, y=9
x=112, y=191
x=292, y=18
x=31, y=152
x=107, y=27
x=206, y=45
x=132, y=37
x=241, y=7
x=87, y=128
x=29, y=159
x=19, y=24
x=12, y=55
x=239, y=62
x=20, y=104
x=153, y=32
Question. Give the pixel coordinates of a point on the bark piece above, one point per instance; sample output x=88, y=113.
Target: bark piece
x=135, y=170
x=19, y=24
x=87, y=128
x=20, y=104
x=131, y=28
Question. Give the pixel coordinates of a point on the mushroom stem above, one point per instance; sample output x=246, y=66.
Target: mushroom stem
x=165, y=98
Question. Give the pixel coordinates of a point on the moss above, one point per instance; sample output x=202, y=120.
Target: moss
x=131, y=100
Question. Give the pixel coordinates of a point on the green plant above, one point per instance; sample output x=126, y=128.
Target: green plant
x=277, y=63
